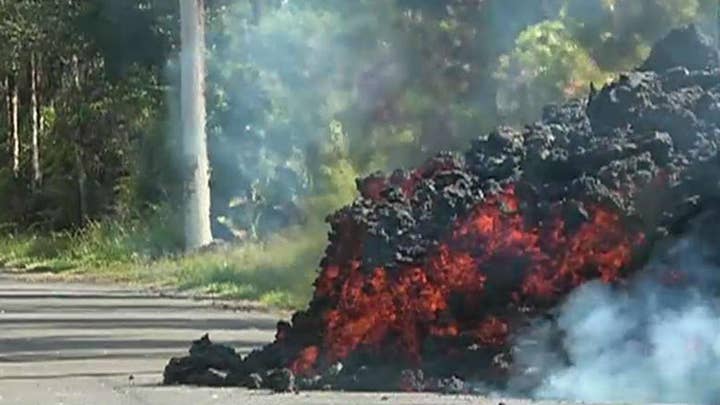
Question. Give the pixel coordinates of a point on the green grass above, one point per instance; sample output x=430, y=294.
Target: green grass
x=277, y=272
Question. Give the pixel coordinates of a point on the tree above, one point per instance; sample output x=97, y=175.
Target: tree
x=36, y=121
x=618, y=34
x=91, y=134
x=547, y=65
x=14, y=125
x=197, y=204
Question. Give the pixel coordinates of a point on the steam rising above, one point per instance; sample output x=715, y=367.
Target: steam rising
x=656, y=339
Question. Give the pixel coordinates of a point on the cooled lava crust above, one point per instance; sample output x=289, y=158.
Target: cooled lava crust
x=430, y=271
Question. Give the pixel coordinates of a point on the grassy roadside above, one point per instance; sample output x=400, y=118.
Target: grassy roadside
x=277, y=272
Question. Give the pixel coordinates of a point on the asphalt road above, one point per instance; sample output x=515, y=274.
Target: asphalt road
x=78, y=344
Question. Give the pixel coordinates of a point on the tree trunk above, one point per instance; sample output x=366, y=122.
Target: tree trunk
x=8, y=113
x=82, y=189
x=81, y=173
x=194, y=139
x=14, y=125
x=35, y=117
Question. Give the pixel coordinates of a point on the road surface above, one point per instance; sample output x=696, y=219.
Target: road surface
x=77, y=344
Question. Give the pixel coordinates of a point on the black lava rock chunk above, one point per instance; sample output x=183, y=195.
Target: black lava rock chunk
x=280, y=380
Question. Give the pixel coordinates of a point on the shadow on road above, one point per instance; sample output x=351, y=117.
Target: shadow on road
x=68, y=331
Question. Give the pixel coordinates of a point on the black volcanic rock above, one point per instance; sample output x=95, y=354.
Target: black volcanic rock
x=280, y=380
x=191, y=371
x=208, y=364
x=644, y=148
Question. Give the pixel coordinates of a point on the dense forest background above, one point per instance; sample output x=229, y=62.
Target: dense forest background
x=304, y=96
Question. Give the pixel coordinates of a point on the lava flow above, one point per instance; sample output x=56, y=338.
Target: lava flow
x=431, y=273
x=396, y=310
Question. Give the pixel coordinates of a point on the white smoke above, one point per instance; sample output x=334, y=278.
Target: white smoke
x=649, y=341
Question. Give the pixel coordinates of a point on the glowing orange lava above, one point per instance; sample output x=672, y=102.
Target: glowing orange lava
x=305, y=361
x=491, y=251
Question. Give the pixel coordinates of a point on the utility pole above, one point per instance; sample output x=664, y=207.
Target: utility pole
x=198, y=231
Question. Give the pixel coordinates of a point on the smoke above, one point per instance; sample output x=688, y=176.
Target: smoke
x=655, y=339
x=276, y=86
x=404, y=78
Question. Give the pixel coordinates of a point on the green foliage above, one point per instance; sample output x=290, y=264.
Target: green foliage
x=335, y=174
x=279, y=271
x=282, y=80
x=98, y=244
x=617, y=33
x=546, y=66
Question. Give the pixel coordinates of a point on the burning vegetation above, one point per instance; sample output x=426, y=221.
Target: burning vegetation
x=430, y=272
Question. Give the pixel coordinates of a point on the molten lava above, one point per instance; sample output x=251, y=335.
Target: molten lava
x=490, y=253
x=431, y=274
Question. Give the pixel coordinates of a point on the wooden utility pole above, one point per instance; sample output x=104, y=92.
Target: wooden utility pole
x=198, y=231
